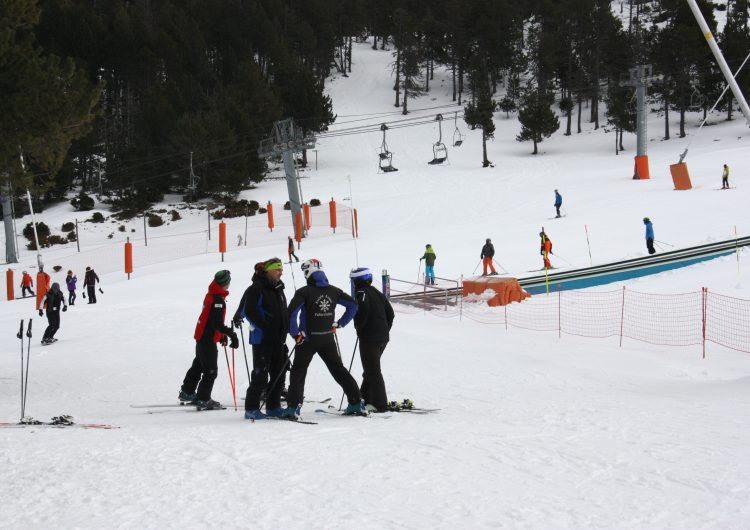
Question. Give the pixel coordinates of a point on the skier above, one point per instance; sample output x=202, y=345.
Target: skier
x=290, y=250
x=26, y=284
x=649, y=235
x=313, y=326
x=70, y=281
x=545, y=249
x=558, y=203
x=725, y=178
x=51, y=303
x=264, y=306
x=209, y=330
x=89, y=282
x=488, y=252
x=373, y=323
x=429, y=258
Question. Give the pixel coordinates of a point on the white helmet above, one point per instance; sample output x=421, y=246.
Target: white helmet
x=310, y=266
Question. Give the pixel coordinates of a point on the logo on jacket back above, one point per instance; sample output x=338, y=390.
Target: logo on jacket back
x=323, y=305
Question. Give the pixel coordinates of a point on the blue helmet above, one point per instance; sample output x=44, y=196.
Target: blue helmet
x=361, y=274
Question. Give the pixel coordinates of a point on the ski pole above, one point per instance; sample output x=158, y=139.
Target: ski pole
x=664, y=243
x=419, y=270
x=234, y=380
x=28, y=355
x=350, y=369
x=275, y=381
x=20, y=336
x=294, y=282
x=244, y=352
x=588, y=244
x=231, y=380
x=475, y=268
x=498, y=264
x=566, y=261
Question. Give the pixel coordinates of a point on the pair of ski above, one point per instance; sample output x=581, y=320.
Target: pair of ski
x=60, y=422
x=189, y=407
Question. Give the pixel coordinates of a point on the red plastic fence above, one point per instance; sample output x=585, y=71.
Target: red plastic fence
x=683, y=319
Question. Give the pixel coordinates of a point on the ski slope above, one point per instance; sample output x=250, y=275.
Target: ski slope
x=534, y=431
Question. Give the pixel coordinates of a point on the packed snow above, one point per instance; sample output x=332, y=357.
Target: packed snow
x=534, y=431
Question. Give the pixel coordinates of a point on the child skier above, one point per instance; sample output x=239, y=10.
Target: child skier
x=429, y=258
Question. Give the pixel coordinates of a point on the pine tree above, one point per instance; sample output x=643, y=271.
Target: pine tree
x=538, y=120
x=478, y=113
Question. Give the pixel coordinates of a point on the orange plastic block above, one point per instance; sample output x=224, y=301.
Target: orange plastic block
x=506, y=290
x=680, y=176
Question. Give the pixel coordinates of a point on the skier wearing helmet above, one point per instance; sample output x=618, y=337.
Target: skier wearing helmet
x=373, y=322
x=313, y=325
x=649, y=235
x=488, y=252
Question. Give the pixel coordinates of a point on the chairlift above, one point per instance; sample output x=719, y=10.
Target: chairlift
x=696, y=100
x=385, y=157
x=458, y=138
x=439, y=152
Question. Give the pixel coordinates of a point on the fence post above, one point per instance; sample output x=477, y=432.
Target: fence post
x=704, y=308
x=9, y=284
x=208, y=219
x=559, y=316
x=78, y=238
x=269, y=210
x=332, y=213
x=506, y=316
x=622, y=314
x=145, y=237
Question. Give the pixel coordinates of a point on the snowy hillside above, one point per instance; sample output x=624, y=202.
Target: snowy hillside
x=535, y=431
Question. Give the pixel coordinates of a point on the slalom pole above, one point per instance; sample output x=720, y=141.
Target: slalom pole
x=588, y=244
x=350, y=369
x=546, y=277
x=20, y=336
x=244, y=352
x=275, y=381
x=28, y=356
x=737, y=247
x=231, y=380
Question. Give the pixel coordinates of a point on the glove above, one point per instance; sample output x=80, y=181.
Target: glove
x=223, y=340
x=84, y=295
x=65, y=308
x=237, y=321
x=41, y=313
x=235, y=342
x=300, y=338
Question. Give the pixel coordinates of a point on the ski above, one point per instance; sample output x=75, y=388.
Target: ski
x=7, y=425
x=304, y=422
x=188, y=404
x=341, y=414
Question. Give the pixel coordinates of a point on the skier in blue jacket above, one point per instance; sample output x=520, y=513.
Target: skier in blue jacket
x=558, y=203
x=649, y=235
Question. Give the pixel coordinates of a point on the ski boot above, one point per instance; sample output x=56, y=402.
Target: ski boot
x=208, y=404
x=64, y=419
x=407, y=404
x=184, y=397
x=356, y=409
x=291, y=413
x=275, y=413
x=254, y=415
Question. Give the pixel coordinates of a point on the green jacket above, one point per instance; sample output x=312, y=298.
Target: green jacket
x=429, y=257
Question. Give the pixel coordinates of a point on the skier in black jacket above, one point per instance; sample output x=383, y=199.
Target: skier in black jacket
x=373, y=322
x=264, y=306
x=90, y=280
x=488, y=252
x=52, y=301
x=314, y=305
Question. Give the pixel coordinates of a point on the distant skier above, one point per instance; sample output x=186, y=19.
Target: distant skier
x=70, y=281
x=725, y=178
x=488, y=252
x=51, y=304
x=313, y=325
x=90, y=280
x=373, y=322
x=649, y=235
x=209, y=330
x=290, y=250
x=429, y=258
x=545, y=249
x=264, y=306
x=26, y=284
x=558, y=203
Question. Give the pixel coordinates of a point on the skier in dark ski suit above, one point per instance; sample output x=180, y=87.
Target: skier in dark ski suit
x=488, y=252
x=373, y=323
x=90, y=280
x=209, y=330
x=51, y=303
x=314, y=305
x=264, y=306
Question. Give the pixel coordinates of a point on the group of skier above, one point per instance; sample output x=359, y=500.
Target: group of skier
x=310, y=320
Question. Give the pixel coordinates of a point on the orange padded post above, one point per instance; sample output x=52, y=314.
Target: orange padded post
x=641, y=167
x=222, y=239
x=128, y=258
x=269, y=207
x=298, y=227
x=41, y=287
x=332, y=213
x=355, y=224
x=306, y=209
x=680, y=176
x=9, y=284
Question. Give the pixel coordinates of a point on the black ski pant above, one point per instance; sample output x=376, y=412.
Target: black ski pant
x=91, y=289
x=203, y=371
x=373, y=385
x=25, y=288
x=724, y=182
x=558, y=210
x=325, y=347
x=269, y=367
x=650, y=246
x=53, y=318
x=71, y=297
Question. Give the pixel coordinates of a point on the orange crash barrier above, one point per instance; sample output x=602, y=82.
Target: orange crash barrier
x=680, y=176
x=506, y=290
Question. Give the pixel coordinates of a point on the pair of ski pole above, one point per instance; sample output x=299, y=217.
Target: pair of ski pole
x=24, y=376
